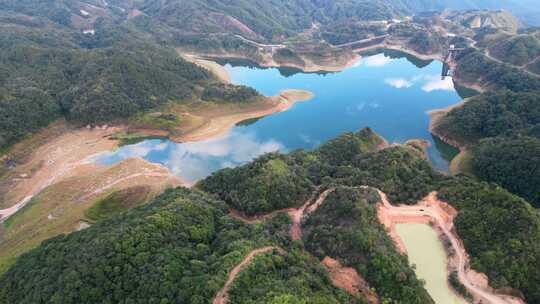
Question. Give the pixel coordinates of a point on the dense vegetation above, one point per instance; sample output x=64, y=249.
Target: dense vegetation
x=343, y=149
x=500, y=231
x=344, y=32
x=493, y=114
x=276, y=181
x=346, y=227
x=180, y=247
x=418, y=37
x=262, y=20
x=48, y=71
x=294, y=277
x=41, y=83
x=505, y=128
x=519, y=50
x=176, y=250
x=513, y=163
x=271, y=182
x=229, y=93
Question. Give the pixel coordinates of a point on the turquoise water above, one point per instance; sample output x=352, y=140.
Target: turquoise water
x=387, y=92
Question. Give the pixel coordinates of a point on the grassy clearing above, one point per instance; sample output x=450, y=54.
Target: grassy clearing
x=61, y=207
x=46, y=216
x=462, y=163
x=131, y=138
x=117, y=202
x=158, y=120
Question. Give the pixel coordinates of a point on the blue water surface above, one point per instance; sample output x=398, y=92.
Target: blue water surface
x=387, y=93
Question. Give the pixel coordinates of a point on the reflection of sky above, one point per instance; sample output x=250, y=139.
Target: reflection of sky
x=391, y=96
x=195, y=160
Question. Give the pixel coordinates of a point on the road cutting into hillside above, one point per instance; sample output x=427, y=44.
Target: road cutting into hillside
x=222, y=297
x=296, y=214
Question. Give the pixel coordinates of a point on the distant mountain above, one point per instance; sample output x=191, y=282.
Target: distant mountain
x=527, y=10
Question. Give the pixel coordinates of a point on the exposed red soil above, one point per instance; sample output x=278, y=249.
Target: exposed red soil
x=298, y=214
x=348, y=278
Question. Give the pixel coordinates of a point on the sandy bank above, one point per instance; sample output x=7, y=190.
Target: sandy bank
x=396, y=47
x=337, y=64
x=66, y=156
x=61, y=207
x=53, y=161
x=219, y=124
x=218, y=70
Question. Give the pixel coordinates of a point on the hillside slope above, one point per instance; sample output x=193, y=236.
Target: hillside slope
x=181, y=246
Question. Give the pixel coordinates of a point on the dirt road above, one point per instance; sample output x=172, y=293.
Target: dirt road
x=298, y=214
x=222, y=297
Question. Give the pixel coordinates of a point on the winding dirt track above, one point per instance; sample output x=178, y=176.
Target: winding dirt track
x=296, y=234
x=298, y=214
x=441, y=215
x=222, y=297
x=428, y=210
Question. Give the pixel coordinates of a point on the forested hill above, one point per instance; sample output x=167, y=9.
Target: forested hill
x=252, y=19
x=504, y=128
x=49, y=71
x=257, y=20
x=180, y=247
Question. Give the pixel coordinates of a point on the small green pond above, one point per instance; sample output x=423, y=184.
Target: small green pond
x=426, y=251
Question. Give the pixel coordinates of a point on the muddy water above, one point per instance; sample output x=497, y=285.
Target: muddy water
x=425, y=250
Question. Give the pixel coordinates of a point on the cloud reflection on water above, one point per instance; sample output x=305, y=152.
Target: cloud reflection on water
x=378, y=60
x=430, y=83
x=196, y=160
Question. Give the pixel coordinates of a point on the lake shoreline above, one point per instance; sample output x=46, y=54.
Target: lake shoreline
x=219, y=123
x=334, y=65
x=435, y=115
x=66, y=156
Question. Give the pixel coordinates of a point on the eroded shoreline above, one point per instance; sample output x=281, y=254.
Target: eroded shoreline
x=65, y=155
x=56, y=164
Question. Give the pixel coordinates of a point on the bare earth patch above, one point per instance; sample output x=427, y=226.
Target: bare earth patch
x=203, y=121
x=217, y=69
x=52, y=161
x=348, y=278
x=52, y=187
x=61, y=207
